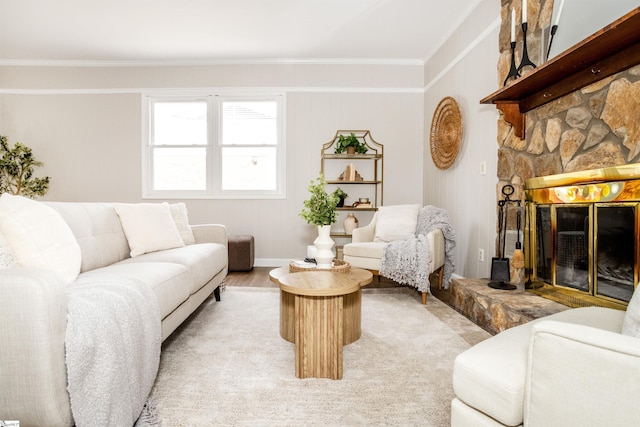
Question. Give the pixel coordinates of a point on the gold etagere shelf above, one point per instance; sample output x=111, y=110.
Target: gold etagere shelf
x=367, y=176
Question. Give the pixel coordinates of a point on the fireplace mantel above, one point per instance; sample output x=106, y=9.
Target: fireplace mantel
x=614, y=48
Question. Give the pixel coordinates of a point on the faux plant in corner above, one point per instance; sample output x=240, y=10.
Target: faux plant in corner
x=351, y=144
x=16, y=171
x=341, y=195
x=320, y=210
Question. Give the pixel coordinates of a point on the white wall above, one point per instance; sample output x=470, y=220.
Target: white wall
x=465, y=68
x=84, y=123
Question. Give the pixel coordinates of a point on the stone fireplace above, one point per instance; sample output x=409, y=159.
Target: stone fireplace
x=551, y=146
x=583, y=237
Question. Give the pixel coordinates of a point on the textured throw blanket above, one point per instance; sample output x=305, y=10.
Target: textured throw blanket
x=407, y=261
x=112, y=344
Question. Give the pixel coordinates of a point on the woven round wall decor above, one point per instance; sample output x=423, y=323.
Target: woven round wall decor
x=446, y=133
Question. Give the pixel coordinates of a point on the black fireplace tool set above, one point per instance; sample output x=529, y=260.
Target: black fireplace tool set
x=500, y=272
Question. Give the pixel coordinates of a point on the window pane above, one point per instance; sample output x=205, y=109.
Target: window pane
x=249, y=168
x=249, y=123
x=179, y=169
x=180, y=123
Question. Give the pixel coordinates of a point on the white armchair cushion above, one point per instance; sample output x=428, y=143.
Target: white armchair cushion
x=367, y=255
x=580, y=375
x=396, y=222
x=39, y=236
x=490, y=376
x=631, y=323
x=149, y=227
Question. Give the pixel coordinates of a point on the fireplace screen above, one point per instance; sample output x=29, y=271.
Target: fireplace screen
x=566, y=236
x=584, y=234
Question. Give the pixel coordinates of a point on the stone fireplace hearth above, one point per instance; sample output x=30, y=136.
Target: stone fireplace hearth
x=495, y=310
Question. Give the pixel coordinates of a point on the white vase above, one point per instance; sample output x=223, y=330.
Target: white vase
x=350, y=223
x=324, y=245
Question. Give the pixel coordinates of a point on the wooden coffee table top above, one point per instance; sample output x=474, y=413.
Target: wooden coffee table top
x=320, y=283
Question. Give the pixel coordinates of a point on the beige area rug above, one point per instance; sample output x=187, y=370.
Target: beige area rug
x=228, y=366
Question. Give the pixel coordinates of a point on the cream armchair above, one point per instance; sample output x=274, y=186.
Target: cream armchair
x=576, y=368
x=365, y=252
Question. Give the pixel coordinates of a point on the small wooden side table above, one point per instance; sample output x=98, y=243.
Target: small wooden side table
x=320, y=311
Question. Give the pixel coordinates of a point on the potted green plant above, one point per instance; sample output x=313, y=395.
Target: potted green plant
x=341, y=195
x=320, y=208
x=16, y=171
x=351, y=144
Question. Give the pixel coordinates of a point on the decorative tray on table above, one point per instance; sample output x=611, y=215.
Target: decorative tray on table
x=339, y=266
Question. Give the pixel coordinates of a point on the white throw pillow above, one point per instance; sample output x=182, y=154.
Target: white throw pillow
x=181, y=218
x=631, y=323
x=396, y=222
x=149, y=227
x=7, y=257
x=39, y=236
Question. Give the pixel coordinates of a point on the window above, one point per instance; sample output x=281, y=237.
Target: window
x=213, y=146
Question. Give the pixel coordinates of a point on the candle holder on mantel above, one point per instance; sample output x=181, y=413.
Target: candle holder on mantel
x=525, y=55
x=513, y=71
x=554, y=29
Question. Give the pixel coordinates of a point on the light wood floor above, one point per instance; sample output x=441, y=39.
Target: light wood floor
x=259, y=277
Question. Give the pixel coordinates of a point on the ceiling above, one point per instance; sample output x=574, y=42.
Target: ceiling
x=218, y=30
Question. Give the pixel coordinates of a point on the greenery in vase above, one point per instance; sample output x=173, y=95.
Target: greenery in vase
x=350, y=141
x=16, y=171
x=320, y=208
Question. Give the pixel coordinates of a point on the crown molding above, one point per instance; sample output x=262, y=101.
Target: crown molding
x=183, y=63
x=170, y=91
x=494, y=25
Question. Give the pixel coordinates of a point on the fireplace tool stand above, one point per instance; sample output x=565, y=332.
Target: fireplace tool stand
x=500, y=274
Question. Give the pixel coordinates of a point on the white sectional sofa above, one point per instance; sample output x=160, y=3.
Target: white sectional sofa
x=576, y=368
x=34, y=299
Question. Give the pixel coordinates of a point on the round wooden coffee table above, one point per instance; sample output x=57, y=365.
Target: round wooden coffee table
x=320, y=311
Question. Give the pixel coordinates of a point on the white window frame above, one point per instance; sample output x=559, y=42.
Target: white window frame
x=214, y=147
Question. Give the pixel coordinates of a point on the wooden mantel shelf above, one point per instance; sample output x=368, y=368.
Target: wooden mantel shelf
x=614, y=48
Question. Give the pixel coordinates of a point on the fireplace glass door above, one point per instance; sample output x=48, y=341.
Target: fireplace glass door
x=572, y=247
x=615, y=253
x=543, y=234
x=591, y=248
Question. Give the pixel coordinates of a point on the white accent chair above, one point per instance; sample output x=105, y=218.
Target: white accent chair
x=365, y=252
x=576, y=368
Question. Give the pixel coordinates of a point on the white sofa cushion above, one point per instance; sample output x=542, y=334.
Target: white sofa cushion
x=396, y=222
x=631, y=323
x=98, y=231
x=181, y=218
x=169, y=281
x=7, y=257
x=149, y=227
x=203, y=261
x=39, y=236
